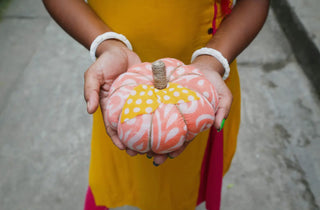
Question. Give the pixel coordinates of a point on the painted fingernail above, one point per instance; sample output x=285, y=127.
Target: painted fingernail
x=155, y=164
x=222, y=124
x=170, y=156
x=149, y=157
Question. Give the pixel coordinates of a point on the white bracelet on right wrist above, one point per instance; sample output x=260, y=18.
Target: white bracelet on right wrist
x=108, y=35
x=217, y=55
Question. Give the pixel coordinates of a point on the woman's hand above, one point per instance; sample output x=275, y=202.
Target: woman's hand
x=114, y=58
x=213, y=71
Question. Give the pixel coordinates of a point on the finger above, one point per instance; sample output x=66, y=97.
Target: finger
x=131, y=152
x=159, y=159
x=115, y=138
x=177, y=152
x=91, y=90
x=223, y=110
x=220, y=116
x=150, y=155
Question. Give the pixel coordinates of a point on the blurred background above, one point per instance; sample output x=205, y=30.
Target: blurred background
x=45, y=131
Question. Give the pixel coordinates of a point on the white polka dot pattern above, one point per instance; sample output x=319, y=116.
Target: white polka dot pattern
x=160, y=120
x=154, y=98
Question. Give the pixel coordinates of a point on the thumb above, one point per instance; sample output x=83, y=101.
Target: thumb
x=133, y=59
x=91, y=90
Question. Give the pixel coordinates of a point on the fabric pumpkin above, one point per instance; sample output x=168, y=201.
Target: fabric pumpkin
x=148, y=117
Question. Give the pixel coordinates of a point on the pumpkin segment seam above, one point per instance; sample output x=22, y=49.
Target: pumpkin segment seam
x=150, y=132
x=174, y=70
x=215, y=107
x=184, y=120
x=187, y=74
x=131, y=84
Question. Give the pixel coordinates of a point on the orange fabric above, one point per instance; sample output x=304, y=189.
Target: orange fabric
x=161, y=119
x=174, y=29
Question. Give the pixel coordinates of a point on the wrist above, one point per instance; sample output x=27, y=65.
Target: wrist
x=102, y=39
x=208, y=63
x=218, y=57
x=109, y=45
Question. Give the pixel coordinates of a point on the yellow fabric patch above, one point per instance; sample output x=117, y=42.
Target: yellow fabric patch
x=146, y=99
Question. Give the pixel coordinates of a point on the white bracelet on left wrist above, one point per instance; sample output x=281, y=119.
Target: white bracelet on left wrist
x=217, y=55
x=106, y=36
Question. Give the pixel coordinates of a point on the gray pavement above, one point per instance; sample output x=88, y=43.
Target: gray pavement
x=45, y=131
x=300, y=22
x=307, y=12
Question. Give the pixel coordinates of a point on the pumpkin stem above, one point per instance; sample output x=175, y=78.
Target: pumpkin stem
x=159, y=74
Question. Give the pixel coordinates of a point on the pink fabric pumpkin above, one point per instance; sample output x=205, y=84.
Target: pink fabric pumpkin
x=159, y=106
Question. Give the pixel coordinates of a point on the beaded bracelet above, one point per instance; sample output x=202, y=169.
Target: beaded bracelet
x=106, y=36
x=217, y=55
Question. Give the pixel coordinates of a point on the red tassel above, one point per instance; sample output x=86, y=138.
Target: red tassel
x=226, y=7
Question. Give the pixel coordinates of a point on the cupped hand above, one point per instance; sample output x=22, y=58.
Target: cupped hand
x=213, y=71
x=114, y=60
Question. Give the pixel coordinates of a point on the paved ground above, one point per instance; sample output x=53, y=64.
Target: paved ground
x=44, y=155
x=308, y=13
x=300, y=22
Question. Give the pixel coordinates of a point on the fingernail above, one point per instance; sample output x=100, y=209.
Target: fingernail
x=149, y=157
x=170, y=156
x=155, y=164
x=222, y=124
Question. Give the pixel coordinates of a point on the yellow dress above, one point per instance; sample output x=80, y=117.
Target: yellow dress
x=157, y=29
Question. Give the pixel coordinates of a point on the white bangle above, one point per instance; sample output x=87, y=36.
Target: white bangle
x=105, y=36
x=217, y=55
